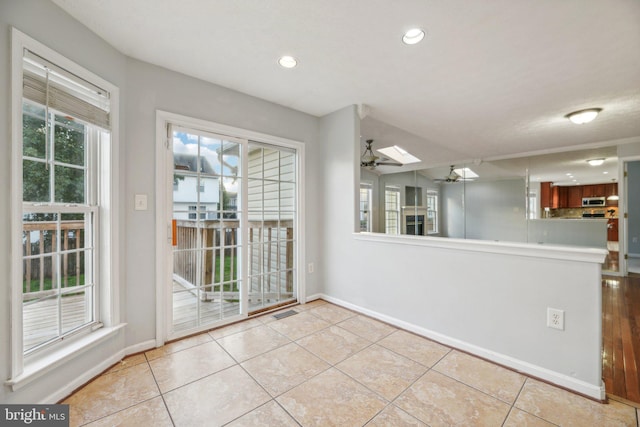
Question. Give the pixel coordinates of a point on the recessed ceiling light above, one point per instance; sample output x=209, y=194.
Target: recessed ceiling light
x=287, y=61
x=595, y=162
x=605, y=172
x=569, y=174
x=413, y=36
x=583, y=116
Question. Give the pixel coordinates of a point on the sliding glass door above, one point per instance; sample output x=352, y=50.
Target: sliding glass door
x=233, y=228
x=271, y=206
x=206, y=228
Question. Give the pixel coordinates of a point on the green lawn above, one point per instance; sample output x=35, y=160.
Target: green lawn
x=35, y=284
x=228, y=287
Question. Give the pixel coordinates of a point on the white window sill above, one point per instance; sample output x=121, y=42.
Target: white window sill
x=48, y=363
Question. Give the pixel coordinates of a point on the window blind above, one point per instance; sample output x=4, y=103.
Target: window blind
x=47, y=84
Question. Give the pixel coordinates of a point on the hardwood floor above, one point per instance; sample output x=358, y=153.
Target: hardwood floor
x=620, y=333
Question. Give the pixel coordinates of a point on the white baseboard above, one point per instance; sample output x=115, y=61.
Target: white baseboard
x=139, y=348
x=97, y=370
x=314, y=297
x=562, y=380
x=83, y=379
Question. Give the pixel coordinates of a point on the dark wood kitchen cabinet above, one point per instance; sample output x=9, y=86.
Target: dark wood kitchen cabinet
x=545, y=195
x=595, y=190
x=559, y=197
x=611, y=190
x=556, y=197
x=574, y=197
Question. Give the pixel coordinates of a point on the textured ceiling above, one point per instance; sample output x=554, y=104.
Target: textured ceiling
x=492, y=78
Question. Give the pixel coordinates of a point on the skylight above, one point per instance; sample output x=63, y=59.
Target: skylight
x=466, y=173
x=399, y=154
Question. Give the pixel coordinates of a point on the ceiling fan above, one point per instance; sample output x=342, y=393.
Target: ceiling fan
x=370, y=160
x=452, y=177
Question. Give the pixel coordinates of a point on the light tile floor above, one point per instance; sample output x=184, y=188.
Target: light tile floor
x=325, y=366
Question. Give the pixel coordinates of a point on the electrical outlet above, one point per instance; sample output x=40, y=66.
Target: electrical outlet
x=310, y=267
x=555, y=318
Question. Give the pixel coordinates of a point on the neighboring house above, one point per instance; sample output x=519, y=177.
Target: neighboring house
x=193, y=194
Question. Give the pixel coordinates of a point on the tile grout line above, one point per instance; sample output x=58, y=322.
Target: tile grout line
x=272, y=398
x=130, y=406
x=330, y=365
x=164, y=402
x=513, y=405
x=371, y=344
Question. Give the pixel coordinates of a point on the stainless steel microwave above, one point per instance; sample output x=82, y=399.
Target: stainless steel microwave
x=593, y=202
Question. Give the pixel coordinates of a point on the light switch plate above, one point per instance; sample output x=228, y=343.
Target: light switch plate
x=141, y=202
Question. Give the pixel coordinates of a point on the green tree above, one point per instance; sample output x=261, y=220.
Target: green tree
x=69, y=155
x=68, y=174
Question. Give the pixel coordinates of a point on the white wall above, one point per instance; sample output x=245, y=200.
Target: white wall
x=590, y=233
x=493, y=210
x=491, y=302
x=452, y=222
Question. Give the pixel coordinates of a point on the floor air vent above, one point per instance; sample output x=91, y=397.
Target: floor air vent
x=285, y=314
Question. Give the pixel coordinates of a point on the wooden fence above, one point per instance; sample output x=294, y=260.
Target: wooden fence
x=219, y=239
x=35, y=268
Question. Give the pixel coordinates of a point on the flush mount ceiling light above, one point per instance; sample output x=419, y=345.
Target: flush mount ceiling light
x=595, y=162
x=583, y=116
x=413, y=36
x=287, y=61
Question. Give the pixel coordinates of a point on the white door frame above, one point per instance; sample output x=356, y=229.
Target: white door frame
x=164, y=269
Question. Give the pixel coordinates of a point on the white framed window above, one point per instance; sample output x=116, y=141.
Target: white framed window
x=392, y=209
x=432, y=212
x=64, y=240
x=365, y=206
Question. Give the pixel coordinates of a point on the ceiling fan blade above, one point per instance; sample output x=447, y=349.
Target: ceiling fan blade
x=388, y=164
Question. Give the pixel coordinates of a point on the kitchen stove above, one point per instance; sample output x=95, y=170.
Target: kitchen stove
x=594, y=214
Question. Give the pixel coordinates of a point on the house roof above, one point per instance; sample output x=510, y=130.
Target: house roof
x=189, y=162
x=491, y=78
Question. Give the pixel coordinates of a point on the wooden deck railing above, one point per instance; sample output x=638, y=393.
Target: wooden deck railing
x=221, y=238
x=36, y=269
